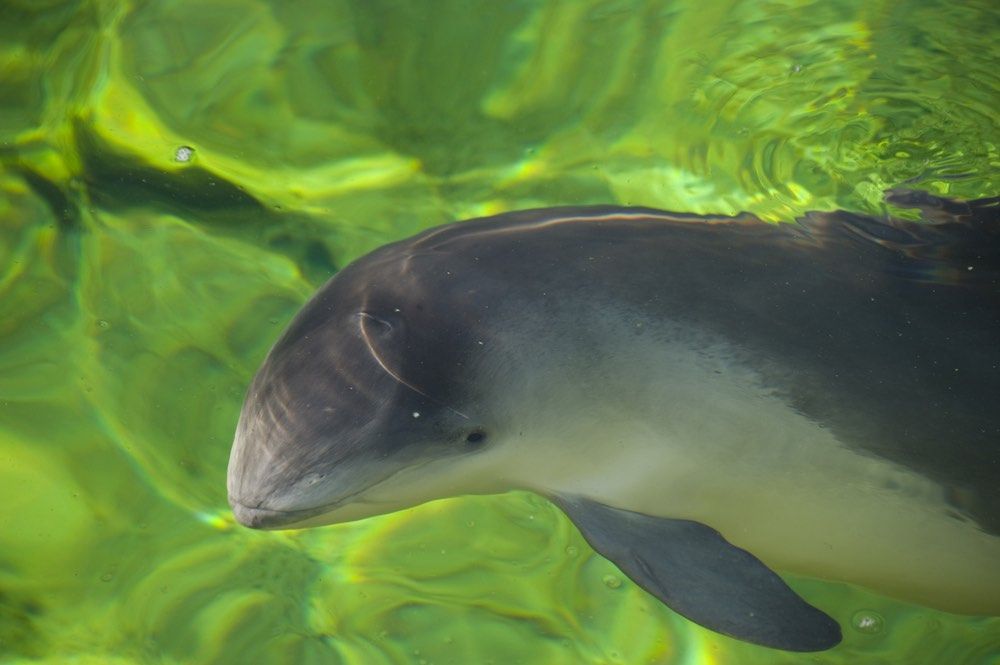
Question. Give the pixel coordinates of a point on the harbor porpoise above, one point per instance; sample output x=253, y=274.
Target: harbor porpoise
x=708, y=399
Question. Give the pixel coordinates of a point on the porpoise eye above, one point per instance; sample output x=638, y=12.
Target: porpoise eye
x=475, y=438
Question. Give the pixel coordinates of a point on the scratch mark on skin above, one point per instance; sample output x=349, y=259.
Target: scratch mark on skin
x=366, y=336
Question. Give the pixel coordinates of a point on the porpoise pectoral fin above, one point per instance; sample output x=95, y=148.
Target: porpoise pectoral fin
x=697, y=573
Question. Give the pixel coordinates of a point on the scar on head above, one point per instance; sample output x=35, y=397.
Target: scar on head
x=364, y=320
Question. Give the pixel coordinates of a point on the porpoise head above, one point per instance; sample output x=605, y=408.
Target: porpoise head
x=369, y=393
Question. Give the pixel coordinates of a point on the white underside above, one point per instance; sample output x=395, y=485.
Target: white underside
x=688, y=435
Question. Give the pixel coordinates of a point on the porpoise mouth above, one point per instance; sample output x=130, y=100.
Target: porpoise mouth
x=351, y=506
x=265, y=518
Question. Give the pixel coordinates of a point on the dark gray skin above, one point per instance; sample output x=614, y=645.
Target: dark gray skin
x=883, y=333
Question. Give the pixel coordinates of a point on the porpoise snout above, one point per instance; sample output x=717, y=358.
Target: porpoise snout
x=259, y=518
x=264, y=495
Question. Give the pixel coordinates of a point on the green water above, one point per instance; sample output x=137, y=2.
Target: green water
x=138, y=293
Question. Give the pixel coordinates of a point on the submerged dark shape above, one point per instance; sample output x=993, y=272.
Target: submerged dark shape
x=707, y=398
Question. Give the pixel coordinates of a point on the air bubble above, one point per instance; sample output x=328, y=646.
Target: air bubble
x=184, y=154
x=868, y=622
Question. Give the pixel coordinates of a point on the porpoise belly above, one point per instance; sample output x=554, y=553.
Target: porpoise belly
x=708, y=445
